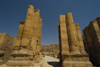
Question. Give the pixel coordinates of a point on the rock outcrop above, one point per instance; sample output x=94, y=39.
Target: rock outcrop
x=50, y=50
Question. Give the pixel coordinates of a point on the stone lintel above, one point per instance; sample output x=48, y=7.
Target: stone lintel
x=21, y=22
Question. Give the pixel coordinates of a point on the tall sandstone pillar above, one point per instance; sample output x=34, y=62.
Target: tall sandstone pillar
x=72, y=34
x=27, y=26
x=36, y=25
x=79, y=36
x=63, y=36
x=26, y=51
x=60, y=49
x=72, y=50
x=40, y=31
x=19, y=35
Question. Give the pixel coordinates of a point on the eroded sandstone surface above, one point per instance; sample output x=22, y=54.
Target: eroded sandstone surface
x=92, y=40
x=71, y=45
x=26, y=48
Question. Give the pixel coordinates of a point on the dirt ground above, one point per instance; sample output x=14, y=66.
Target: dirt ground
x=53, y=61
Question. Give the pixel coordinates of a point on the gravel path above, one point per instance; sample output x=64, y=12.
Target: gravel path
x=52, y=61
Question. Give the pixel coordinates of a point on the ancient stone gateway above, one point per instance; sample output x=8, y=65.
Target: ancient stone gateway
x=92, y=40
x=72, y=50
x=26, y=51
x=26, y=48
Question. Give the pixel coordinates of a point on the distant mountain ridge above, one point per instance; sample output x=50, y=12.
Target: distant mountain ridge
x=49, y=48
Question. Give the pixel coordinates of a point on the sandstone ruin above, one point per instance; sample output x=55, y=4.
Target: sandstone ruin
x=26, y=51
x=6, y=47
x=92, y=40
x=72, y=50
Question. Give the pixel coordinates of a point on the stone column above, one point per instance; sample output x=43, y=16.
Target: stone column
x=63, y=35
x=19, y=35
x=34, y=41
x=41, y=30
x=81, y=44
x=72, y=35
x=29, y=45
x=27, y=27
x=40, y=33
x=60, y=49
x=86, y=42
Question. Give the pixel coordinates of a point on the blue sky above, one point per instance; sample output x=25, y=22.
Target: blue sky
x=12, y=11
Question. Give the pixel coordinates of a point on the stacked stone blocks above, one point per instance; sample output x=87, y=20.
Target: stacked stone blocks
x=72, y=50
x=27, y=46
x=92, y=40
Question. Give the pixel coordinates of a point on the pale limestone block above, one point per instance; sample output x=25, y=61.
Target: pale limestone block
x=19, y=63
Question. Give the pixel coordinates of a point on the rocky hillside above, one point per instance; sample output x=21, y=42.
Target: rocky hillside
x=50, y=48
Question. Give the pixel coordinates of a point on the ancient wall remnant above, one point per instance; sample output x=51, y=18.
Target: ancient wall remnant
x=27, y=46
x=92, y=40
x=72, y=50
x=6, y=46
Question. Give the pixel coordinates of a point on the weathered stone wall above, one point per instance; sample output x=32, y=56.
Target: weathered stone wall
x=72, y=52
x=6, y=46
x=92, y=40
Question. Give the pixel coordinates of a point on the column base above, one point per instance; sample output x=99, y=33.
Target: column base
x=76, y=61
x=77, y=64
x=1, y=52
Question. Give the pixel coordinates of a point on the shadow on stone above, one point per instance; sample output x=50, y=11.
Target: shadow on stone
x=55, y=64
